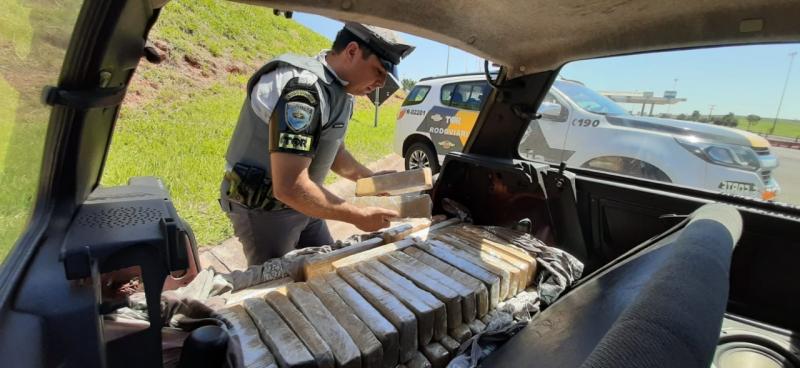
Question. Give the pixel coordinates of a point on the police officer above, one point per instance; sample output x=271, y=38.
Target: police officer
x=290, y=134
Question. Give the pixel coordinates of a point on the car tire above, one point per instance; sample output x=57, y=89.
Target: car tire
x=421, y=155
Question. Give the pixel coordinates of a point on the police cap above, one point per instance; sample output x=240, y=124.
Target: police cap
x=385, y=43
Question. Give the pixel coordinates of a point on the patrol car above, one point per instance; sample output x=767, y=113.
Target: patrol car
x=585, y=129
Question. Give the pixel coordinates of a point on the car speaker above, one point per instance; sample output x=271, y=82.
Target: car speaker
x=749, y=351
x=745, y=343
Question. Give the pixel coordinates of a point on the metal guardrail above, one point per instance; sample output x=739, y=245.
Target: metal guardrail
x=777, y=141
x=784, y=142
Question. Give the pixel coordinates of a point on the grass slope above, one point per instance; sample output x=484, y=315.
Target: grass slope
x=180, y=114
x=33, y=38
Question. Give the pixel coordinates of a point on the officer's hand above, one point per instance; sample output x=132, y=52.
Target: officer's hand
x=374, y=218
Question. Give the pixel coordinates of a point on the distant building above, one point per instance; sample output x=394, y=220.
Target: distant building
x=644, y=98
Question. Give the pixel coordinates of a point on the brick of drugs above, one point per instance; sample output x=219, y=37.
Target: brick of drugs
x=507, y=252
x=418, y=361
x=288, y=349
x=302, y=328
x=480, y=233
x=507, y=279
x=476, y=326
x=322, y=263
x=482, y=297
x=490, y=248
x=436, y=354
x=425, y=314
x=451, y=299
x=439, y=309
x=505, y=244
x=450, y=344
x=407, y=205
x=389, y=306
x=395, y=183
x=492, y=282
x=254, y=353
x=368, y=344
x=411, y=226
x=461, y=334
x=372, y=253
x=383, y=329
x=344, y=349
x=466, y=295
x=518, y=277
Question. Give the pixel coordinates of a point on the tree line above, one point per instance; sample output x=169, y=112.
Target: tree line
x=724, y=120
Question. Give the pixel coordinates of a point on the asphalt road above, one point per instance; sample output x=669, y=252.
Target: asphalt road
x=788, y=174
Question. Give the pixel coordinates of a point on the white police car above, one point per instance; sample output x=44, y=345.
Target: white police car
x=585, y=129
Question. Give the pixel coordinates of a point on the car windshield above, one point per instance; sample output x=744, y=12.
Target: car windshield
x=589, y=100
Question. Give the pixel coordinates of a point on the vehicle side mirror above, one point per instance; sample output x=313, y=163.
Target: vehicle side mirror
x=550, y=109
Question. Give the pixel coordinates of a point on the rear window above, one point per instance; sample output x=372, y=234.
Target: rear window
x=468, y=95
x=33, y=39
x=679, y=117
x=417, y=95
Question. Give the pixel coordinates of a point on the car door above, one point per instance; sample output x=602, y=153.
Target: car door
x=451, y=122
x=64, y=67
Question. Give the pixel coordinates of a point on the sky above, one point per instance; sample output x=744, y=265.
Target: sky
x=739, y=79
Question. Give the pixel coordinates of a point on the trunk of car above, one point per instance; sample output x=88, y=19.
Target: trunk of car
x=602, y=222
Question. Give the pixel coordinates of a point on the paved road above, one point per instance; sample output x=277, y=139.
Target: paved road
x=788, y=174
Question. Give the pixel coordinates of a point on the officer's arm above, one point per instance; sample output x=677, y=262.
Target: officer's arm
x=293, y=186
x=345, y=165
x=294, y=131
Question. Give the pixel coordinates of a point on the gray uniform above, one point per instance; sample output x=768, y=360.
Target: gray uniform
x=309, y=118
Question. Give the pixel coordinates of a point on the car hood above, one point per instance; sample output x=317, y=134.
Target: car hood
x=681, y=128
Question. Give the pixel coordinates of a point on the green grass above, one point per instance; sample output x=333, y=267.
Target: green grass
x=33, y=38
x=783, y=128
x=176, y=120
x=179, y=124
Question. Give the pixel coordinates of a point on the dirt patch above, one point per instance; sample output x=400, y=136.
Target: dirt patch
x=237, y=68
x=192, y=61
x=180, y=71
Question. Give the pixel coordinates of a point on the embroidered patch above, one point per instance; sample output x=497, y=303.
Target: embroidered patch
x=298, y=116
x=338, y=125
x=299, y=142
x=301, y=93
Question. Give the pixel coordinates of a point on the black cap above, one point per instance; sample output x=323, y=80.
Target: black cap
x=385, y=43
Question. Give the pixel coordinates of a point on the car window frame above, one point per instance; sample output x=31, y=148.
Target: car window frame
x=474, y=83
x=409, y=102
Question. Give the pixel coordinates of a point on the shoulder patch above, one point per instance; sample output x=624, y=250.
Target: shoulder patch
x=303, y=94
x=298, y=115
x=299, y=142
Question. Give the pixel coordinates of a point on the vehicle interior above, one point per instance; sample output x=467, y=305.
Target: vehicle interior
x=674, y=277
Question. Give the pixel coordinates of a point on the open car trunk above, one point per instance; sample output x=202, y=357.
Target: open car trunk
x=655, y=287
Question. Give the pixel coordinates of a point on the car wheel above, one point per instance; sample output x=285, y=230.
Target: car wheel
x=421, y=155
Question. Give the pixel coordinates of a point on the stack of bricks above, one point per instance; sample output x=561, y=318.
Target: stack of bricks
x=406, y=304
x=397, y=192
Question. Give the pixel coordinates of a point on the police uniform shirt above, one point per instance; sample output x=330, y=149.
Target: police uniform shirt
x=297, y=131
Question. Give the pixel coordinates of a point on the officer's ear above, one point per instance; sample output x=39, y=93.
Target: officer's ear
x=351, y=50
